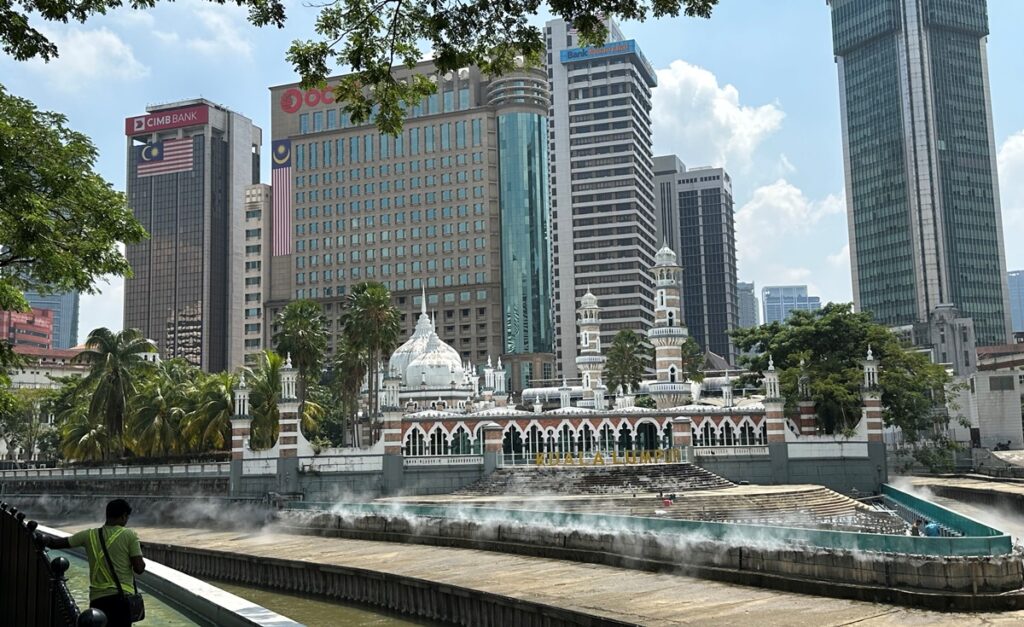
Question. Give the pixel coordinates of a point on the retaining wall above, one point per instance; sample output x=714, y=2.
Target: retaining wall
x=170, y=486
x=944, y=583
x=407, y=595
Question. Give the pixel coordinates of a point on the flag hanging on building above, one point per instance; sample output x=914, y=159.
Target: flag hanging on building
x=281, y=180
x=166, y=157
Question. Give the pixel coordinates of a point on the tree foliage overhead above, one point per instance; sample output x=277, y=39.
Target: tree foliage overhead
x=60, y=222
x=832, y=344
x=628, y=358
x=371, y=37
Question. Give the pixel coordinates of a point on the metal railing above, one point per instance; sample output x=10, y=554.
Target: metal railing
x=216, y=469
x=33, y=590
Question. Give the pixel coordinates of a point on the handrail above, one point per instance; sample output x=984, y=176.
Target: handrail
x=205, y=469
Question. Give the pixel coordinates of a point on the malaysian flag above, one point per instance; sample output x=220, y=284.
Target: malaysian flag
x=166, y=157
x=281, y=180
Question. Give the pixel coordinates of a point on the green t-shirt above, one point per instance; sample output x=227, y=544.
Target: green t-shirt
x=122, y=544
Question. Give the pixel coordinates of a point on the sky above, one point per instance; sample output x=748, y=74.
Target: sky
x=753, y=89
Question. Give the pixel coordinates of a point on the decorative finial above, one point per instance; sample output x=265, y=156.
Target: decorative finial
x=288, y=360
x=801, y=363
x=423, y=301
x=871, y=356
x=241, y=379
x=489, y=361
x=771, y=362
x=499, y=362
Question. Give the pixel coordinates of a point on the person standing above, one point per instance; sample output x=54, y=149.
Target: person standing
x=122, y=551
x=915, y=529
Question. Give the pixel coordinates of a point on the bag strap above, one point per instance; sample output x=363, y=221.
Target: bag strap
x=110, y=565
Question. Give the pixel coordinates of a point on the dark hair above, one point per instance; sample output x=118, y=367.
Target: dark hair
x=118, y=508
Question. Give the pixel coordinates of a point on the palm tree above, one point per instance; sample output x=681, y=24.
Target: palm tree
x=114, y=360
x=302, y=334
x=154, y=427
x=83, y=438
x=348, y=373
x=371, y=323
x=627, y=359
x=265, y=389
x=208, y=425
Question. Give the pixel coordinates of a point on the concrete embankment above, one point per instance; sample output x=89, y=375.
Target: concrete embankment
x=942, y=583
x=605, y=594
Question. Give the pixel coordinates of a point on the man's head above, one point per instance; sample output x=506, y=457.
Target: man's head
x=118, y=511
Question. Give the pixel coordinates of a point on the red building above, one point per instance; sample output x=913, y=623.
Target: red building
x=33, y=328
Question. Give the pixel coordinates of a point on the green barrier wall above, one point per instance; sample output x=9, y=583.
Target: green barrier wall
x=953, y=520
x=992, y=542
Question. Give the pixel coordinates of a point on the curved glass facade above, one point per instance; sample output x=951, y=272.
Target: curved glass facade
x=525, y=250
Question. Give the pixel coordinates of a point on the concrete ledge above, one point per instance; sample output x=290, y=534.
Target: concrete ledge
x=964, y=584
x=206, y=604
x=407, y=595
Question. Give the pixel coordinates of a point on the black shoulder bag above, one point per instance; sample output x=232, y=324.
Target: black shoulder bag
x=136, y=607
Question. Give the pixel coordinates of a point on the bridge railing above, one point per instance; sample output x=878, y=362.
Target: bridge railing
x=216, y=469
x=33, y=590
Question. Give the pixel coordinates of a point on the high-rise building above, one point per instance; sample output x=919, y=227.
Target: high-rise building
x=189, y=164
x=781, y=300
x=32, y=328
x=748, y=305
x=456, y=206
x=1015, y=282
x=602, y=183
x=65, y=315
x=257, y=215
x=922, y=193
x=695, y=210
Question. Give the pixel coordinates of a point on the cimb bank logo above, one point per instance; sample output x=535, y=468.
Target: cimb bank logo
x=139, y=124
x=293, y=99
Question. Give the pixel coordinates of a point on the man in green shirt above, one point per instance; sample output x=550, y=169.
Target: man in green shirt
x=125, y=554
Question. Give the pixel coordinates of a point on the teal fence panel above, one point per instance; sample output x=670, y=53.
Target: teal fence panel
x=733, y=533
x=948, y=518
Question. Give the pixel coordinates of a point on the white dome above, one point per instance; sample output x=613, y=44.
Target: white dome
x=589, y=300
x=665, y=257
x=438, y=365
x=413, y=347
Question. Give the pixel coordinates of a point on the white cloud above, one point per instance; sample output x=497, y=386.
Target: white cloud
x=89, y=56
x=225, y=35
x=785, y=166
x=704, y=122
x=776, y=212
x=1011, y=193
x=165, y=37
x=842, y=258
x=134, y=18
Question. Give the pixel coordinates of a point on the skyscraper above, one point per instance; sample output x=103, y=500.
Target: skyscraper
x=602, y=183
x=455, y=206
x=189, y=163
x=921, y=186
x=257, y=216
x=65, y=315
x=695, y=210
x=748, y=305
x=781, y=300
x=1015, y=282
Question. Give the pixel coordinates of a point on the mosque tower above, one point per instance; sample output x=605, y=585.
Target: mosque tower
x=590, y=361
x=668, y=333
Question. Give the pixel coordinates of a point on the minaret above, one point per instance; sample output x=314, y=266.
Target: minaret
x=668, y=333
x=590, y=361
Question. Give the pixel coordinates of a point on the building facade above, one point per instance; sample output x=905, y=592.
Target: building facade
x=781, y=300
x=696, y=211
x=257, y=214
x=189, y=164
x=922, y=192
x=454, y=209
x=748, y=305
x=1015, y=283
x=602, y=183
x=29, y=328
x=65, y=315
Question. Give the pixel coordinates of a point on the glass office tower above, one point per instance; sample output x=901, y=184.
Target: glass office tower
x=921, y=185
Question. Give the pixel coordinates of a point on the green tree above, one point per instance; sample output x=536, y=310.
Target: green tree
x=59, y=221
x=83, y=437
x=302, y=335
x=832, y=343
x=24, y=420
x=370, y=325
x=154, y=426
x=208, y=426
x=347, y=375
x=264, y=383
x=371, y=38
x=115, y=361
x=628, y=358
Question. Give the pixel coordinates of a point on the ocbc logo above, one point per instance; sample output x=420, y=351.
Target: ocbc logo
x=293, y=99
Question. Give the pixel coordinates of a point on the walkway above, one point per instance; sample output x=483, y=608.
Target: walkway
x=624, y=595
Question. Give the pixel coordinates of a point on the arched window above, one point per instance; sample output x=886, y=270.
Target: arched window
x=671, y=374
x=671, y=318
x=661, y=298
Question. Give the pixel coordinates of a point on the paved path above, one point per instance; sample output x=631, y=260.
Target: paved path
x=626, y=595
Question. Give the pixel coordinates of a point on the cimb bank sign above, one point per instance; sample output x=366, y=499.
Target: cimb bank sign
x=596, y=52
x=163, y=120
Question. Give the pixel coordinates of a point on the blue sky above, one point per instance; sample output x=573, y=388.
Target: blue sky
x=754, y=89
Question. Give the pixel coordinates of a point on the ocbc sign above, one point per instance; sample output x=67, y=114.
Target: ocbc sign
x=293, y=99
